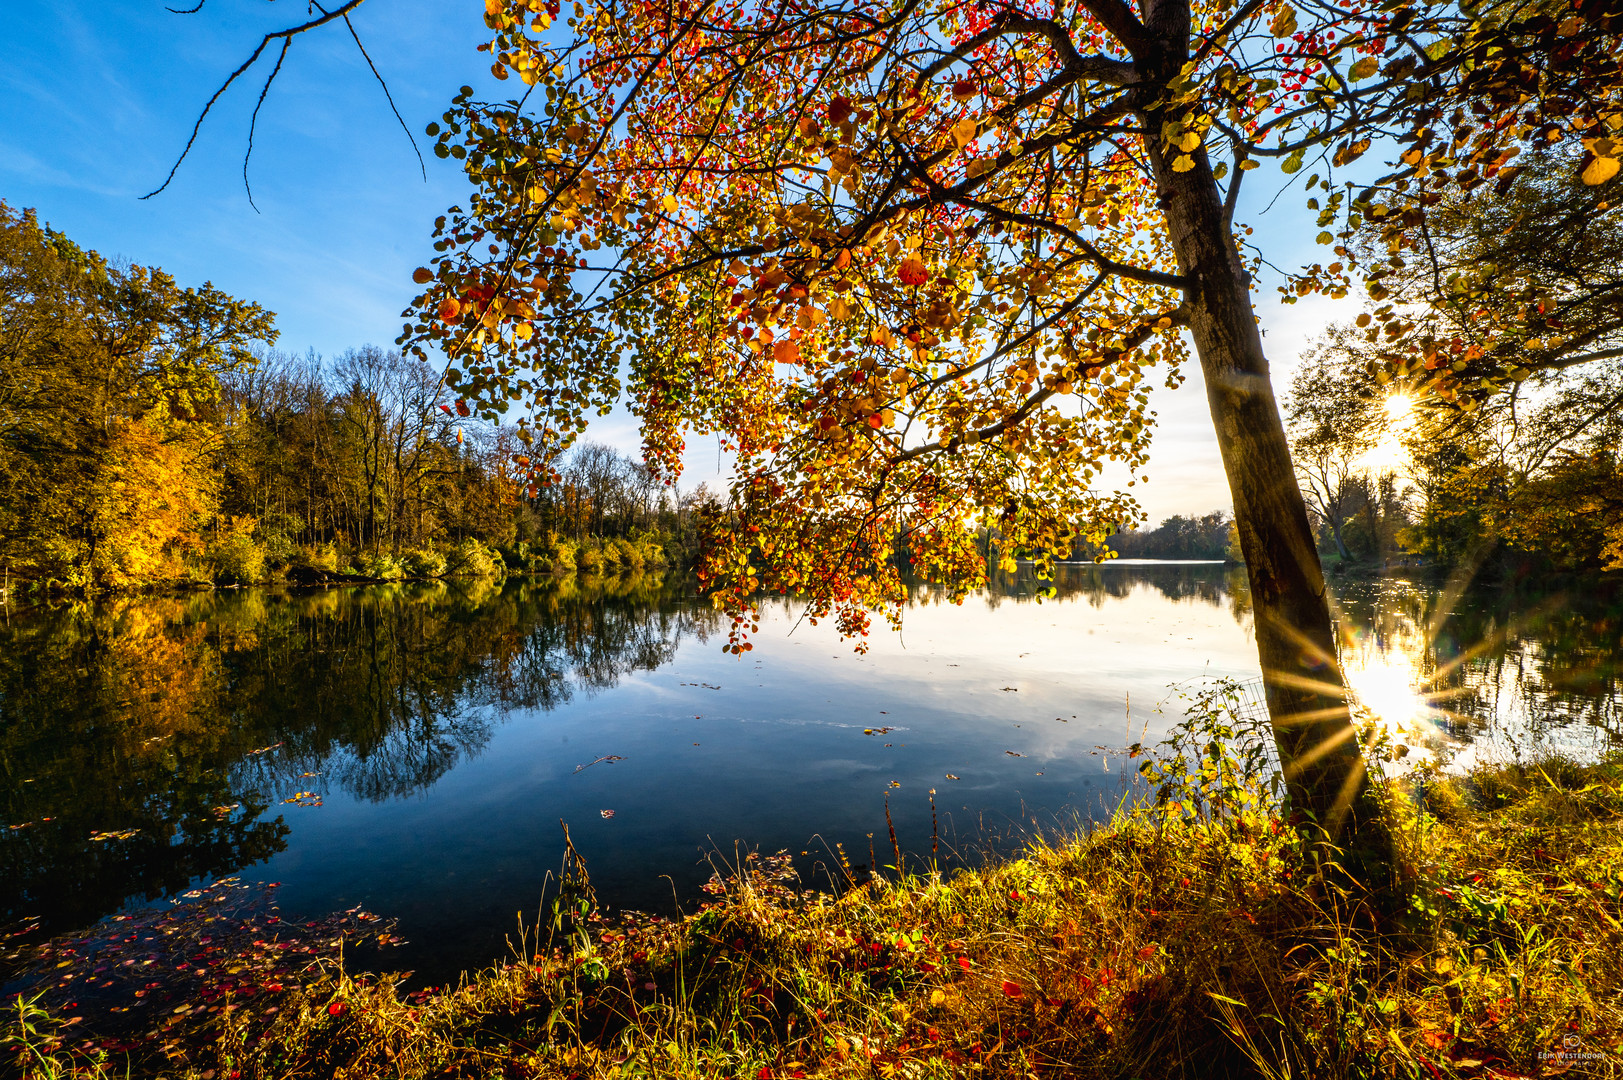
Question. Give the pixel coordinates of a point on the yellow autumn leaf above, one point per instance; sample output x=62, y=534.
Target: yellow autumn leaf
x=1183, y=163
x=963, y=131
x=1600, y=170
x=671, y=205
x=1365, y=67
x=1188, y=141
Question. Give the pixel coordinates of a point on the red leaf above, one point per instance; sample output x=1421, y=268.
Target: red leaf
x=963, y=962
x=1011, y=990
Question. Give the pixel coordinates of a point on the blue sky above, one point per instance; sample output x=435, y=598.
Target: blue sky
x=97, y=99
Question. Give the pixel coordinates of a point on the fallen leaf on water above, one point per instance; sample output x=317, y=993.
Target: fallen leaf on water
x=605, y=813
x=951, y=777
x=1011, y=753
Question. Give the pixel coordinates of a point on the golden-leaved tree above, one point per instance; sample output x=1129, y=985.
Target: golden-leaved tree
x=105, y=473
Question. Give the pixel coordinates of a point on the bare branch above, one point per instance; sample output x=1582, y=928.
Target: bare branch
x=285, y=36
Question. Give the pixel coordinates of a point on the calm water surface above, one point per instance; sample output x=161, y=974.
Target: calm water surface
x=416, y=749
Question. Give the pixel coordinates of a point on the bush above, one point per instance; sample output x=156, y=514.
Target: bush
x=556, y=554
x=628, y=554
x=589, y=557
x=381, y=565
x=424, y=563
x=653, y=553
x=472, y=559
x=238, y=560
x=323, y=557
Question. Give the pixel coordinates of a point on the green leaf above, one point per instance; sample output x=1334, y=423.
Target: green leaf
x=1294, y=162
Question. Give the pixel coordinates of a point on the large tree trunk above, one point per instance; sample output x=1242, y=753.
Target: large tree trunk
x=1307, y=706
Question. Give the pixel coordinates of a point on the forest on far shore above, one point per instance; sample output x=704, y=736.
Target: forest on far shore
x=150, y=435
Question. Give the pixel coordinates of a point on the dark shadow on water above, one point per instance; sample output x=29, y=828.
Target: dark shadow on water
x=150, y=742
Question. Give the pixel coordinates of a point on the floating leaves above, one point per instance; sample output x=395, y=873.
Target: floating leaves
x=876, y=730
x=304, y=798
x=120, y=834
x=605, y=814
x=157, y=980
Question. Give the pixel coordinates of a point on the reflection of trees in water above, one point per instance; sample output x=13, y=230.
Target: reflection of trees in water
x=155, y=714
x=1511, y=662
x=1207, y=583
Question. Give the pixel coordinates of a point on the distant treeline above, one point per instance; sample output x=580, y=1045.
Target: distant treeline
x=148, y=435
x=1209, y=536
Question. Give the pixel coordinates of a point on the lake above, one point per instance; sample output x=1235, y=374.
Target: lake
x=418, y=749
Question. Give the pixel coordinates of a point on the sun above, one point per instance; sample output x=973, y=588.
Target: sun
x=1399, y=410
x=1387, y=453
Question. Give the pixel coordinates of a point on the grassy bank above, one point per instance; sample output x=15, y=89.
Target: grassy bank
x=1162, y=944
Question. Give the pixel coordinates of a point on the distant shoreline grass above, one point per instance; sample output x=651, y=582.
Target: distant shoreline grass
x=1158, y=944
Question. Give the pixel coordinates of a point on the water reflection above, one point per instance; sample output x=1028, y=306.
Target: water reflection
x=1489, y=673
x=148, y=742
